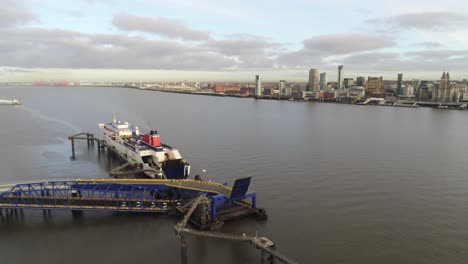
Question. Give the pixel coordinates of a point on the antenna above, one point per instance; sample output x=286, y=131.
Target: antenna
x=115, y=118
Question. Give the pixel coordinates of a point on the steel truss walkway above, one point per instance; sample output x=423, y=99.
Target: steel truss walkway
x=128, y=195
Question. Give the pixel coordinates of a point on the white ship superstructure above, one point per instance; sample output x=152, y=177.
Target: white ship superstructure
x=10, y=102
x=145, y=150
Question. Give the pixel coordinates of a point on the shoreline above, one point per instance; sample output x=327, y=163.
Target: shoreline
x=409, y=104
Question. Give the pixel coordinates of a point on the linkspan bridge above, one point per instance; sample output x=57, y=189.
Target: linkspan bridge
x=206, y=205
x=127, y=195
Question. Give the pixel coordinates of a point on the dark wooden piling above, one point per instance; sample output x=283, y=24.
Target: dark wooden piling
x=73, y=147
x=183, y=250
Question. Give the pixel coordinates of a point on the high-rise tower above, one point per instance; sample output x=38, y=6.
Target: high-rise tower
x=281, y=87
x=400, y=80
x=313, y=80
x=258, y=86
x=339, y=80
x=323, y=81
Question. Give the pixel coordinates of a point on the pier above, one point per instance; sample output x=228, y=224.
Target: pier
x=201, y=204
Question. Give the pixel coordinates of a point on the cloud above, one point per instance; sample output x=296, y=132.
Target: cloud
x=436, y=55
x=167, y=27
x=249, y=50
x=429, y=44
x=16, y=70
x=415, y=61
x=346, y=43
x=42, y=48
x=12, y=13
x=439, y=21
x=316, y=49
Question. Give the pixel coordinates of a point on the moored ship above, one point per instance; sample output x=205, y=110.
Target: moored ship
x=10, y=102
x=156, y=160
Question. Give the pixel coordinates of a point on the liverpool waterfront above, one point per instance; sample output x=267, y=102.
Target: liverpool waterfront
x=340, y=183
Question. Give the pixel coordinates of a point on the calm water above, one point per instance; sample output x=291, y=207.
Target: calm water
x=341, y=183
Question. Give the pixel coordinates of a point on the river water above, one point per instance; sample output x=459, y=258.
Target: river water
x=340, y=183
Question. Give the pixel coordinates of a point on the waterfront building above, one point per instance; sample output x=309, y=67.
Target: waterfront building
x=287, y=91
x=308, y=95
x=416, y=83
x=399, y=81
x=323, y=81
x=258, y=86
x=357, y=93
x=374, y=85
x=422, y=89
x=462, y=90
x=348, y=82
x=340, y=78
x=313, y=80
x=407, y=90
x=360, y=81
x=227, y=88
x=268, y=91
x=281, y=87
x=445, y=91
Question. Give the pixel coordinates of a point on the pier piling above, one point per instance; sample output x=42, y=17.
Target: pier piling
x=183, y=250
x=73, y=147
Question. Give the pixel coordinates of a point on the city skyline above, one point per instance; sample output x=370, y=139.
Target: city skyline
x=106, y=40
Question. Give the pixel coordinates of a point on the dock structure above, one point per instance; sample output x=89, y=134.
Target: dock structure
x=265, y=245
x=127, y=168
x=89, y=137
x=127, y=195
x=205, y=205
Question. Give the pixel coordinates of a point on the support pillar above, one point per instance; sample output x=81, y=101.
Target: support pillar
x=183, y=250
x=73, y=147
x=266, y=258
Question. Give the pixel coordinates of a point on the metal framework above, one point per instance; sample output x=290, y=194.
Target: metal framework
x=74, y=195
x=128, y=195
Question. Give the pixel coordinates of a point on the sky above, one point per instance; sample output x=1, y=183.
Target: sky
x=216, y=40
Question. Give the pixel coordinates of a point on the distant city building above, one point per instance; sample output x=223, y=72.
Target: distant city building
x=268, y=91
x=422, y=89
x=323, y=81
x=416, y=83
x=399, y=83
x=462, y=91
x=258, y=86
x=445, y=91
x=357, y=93
x=308, y=95
x=360, y=81
x=226, y=88
x=340, y=78
x=348, y=82
x=281, y=87
x=407, y=90
x=374, y=85
x=287, y=91
x=313, y=80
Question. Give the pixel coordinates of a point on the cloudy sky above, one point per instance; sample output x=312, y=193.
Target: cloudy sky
x=167, y=40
